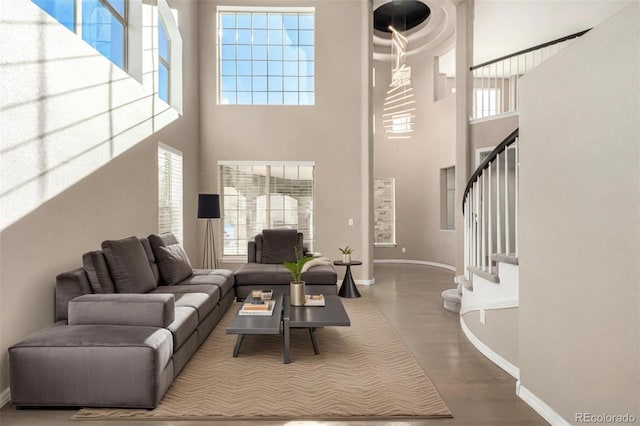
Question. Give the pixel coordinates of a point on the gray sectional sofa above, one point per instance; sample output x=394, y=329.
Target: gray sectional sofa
x=264, y=268
x=126, y=324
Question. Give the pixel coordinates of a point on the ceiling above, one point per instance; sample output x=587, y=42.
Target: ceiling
x=501, y=27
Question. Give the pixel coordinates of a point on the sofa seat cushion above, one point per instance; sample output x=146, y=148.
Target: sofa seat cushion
x=210, y=290
x=129, y=265
x=202, y=303
x=185, y=323
x=159, y=340
x=269, y=274
x=221, y=278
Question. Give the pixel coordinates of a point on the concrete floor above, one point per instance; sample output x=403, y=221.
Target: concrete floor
x=476, y=391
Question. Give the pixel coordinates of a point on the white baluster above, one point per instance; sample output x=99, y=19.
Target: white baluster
x=507, y=234
x=477, y=223
x=517, y=172
x=489, y=207
x=498, y=221
x=484, y=222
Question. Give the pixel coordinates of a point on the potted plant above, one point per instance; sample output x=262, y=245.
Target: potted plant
x=297, y=285
x=346, y=255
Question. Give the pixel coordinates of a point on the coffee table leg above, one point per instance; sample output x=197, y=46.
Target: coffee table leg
x=314, y=342
x=286, y=339
x=239, y=341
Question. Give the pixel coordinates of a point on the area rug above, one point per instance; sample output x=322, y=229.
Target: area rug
x=362, y=372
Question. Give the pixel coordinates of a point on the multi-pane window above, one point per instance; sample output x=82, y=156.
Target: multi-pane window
x=104, y=23
x=104, y=27
x=384, y=212
x=266, y=56
x=265, y=195
x=164, y=62
x=169, y=190
x=487, y=102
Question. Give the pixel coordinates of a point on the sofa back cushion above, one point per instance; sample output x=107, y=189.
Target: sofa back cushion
x=95, y=265
x=278, y=245
x=129, y=265
x=152, y=259
x=172, y=260
x=70, y=285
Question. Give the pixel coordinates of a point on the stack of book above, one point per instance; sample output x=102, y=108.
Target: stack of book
x=314, y=300
x=258, y=307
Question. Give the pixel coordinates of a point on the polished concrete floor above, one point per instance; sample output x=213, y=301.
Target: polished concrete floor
x=476, y=391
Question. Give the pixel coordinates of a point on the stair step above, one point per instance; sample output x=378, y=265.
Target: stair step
x=452, y=300
x=484, y=274
x=509, y=258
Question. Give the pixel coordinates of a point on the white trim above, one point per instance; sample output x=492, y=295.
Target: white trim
x=5, y=397
x=494, y=117
x=540, y=407
x=360, y=282
x=492, y=304
x=417, y=262
x=383, y=245
x=169, y=148
x=489, y=353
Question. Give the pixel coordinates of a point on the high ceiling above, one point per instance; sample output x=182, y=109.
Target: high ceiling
x=501, y=27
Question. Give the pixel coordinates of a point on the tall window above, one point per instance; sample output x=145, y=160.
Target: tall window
x=447, y=198
x=164, y=62
x=266, y=56
x=487, y=102
x=384, y=212
x=169, y=190
x=264, y=195
x=104, y=23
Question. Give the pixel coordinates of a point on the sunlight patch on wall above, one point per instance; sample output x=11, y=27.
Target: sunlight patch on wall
x=65, y=110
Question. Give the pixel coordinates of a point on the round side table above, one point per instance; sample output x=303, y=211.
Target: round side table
x=348, y=288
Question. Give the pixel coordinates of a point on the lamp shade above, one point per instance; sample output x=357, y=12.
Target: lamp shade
x=208, y=206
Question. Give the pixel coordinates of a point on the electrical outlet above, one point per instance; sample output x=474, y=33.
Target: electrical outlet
x=483, y=316
x=404, y=249
x=350, y=222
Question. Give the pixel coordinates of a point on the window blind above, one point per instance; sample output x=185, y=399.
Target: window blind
x=170, y=191
x=263, y=195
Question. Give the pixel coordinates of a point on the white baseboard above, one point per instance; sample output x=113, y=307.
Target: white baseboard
x=492, y=304
x=360, y=282
x=417, y=262
x=5, y=397
x=489, y=353
x=541, y=407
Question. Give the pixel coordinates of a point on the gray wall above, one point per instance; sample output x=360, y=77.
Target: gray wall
x=335, y=132
x=87, y=197
x=499, y=332
x=415, y=164
x=491, y=132
x=579, y=260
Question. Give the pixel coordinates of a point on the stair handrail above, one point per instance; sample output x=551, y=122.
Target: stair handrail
x=502, y=146
x=531, y=49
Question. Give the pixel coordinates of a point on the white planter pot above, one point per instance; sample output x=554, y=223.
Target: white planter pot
x=346, y=259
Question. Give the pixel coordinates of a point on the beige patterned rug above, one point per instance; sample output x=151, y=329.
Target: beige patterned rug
x=363, y=372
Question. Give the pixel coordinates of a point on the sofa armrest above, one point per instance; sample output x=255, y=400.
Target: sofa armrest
x=150, y=310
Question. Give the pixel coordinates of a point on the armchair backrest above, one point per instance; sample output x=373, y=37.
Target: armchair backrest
x=275, y=246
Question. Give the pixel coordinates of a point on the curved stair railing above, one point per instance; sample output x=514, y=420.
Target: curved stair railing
x=495, y=82
x=490, y=209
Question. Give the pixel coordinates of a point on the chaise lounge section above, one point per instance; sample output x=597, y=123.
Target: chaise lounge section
x=265, y=269
x=126, y=325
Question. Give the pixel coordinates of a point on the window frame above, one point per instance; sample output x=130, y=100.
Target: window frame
x=309, y=239
x=447, y=204
x=237, y=10
x=391, y=183
x=172, y=153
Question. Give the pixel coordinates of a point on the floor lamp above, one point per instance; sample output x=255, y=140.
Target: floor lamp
x=209, y=208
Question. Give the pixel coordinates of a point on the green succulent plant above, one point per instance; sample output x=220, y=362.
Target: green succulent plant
x=295, y=268
x=346, y=250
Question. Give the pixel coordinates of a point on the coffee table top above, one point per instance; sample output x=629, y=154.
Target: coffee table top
x=332, y=314
x=255, y=324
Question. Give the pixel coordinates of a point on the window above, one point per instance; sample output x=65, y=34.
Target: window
x=164, y=62
x=447, y=198
x=104, y=27
x=266, y=56
x=487, y=102
x=169, y=190
x=104, y=23
x=264, y=195
x=384, y=213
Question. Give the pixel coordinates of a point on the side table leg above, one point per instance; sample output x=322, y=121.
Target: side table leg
x=239, y=341
x=348, y=288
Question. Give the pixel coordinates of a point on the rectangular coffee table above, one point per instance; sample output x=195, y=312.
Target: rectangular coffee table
x=255, y=324
x=312, y=317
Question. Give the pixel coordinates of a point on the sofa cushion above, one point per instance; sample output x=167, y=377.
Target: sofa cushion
x=129, y=265
x=185, y=323
x=202, y=303
x=174, y=264
x=261, y=275
x=280, y=245
x=222, y=278
x=148, y=310
x=95, y=265
x=152, y=259
x=210, y=290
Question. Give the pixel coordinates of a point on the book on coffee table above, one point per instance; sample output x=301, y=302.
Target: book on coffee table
x=260, y=309
x=314, y=300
